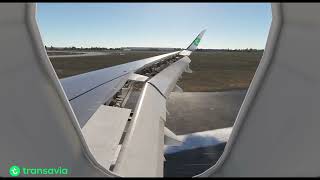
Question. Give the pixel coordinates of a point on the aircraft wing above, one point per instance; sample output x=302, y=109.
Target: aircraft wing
x=98, y=97
x=87, y=91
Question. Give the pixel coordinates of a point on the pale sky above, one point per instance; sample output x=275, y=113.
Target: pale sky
x=229, y=25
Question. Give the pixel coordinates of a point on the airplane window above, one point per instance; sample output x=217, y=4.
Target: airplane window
x=205, y=100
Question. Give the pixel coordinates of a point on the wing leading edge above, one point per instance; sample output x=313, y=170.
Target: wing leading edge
x=86, y=92
x=98, y=97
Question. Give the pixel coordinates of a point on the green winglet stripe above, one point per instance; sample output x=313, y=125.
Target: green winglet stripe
x=196, y=41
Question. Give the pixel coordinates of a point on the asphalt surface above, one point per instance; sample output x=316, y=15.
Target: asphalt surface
x=74, y=54
x=191, y=112
x=189, y=163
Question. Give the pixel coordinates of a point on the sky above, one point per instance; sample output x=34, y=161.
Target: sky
x=114, y=25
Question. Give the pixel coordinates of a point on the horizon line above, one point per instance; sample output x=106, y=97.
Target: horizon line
x=98, y=47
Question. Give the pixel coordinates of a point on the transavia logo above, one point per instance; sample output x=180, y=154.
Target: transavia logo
x=16, y=171
x=196, y=41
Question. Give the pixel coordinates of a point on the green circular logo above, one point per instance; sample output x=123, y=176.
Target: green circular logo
x=14, y=171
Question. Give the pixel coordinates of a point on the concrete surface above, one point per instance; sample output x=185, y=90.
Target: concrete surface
x=192, y=162
x=191, y=112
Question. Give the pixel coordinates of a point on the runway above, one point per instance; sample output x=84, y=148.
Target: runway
x=212, y=114
x=79, y=54
x=204, y=121
x=191, y=112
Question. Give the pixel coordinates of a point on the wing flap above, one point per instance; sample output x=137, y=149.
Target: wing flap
x=86, y=92
x=103, y=134
x=165, y=81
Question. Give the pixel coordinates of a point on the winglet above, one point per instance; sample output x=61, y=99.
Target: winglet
x=194, y=45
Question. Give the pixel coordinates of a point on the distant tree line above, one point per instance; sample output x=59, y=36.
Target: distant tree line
x=230, y=50
x=73, y=48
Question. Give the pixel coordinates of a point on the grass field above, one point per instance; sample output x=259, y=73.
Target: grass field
x=68, y=66
x=212, y=71
x=220, y=71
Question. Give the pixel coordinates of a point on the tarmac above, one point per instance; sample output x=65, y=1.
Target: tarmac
x=193, y=112
x=81, y=54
